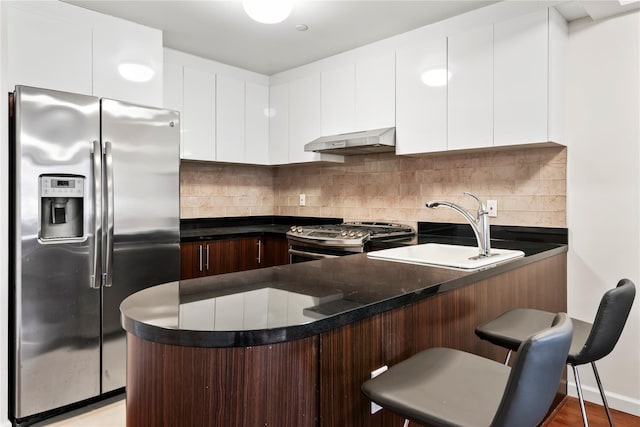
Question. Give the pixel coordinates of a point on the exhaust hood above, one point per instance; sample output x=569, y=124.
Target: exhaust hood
x=364, y=142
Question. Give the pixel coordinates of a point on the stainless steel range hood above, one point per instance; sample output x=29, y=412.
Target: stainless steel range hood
x=365, y=142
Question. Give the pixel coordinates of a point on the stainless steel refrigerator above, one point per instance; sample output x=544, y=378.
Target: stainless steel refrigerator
x=94, y=218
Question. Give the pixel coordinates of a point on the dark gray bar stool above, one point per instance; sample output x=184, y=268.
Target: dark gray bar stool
x=590, y=342
x=447, y=387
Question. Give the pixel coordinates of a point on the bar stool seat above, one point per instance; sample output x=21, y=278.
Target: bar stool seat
x=447, y=387
x=511, y=328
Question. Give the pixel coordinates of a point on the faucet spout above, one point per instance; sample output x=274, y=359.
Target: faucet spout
x=479, y=225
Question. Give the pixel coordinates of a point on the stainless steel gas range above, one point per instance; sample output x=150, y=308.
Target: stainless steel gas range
x=329, y=241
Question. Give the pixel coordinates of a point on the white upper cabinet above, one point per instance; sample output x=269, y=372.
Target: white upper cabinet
x=199, y=115
x=376, y=92
x=256, y=123
x=229, y=119
x=521, y=62
x=279, y=124
x=59, y=46
x=421, y=122
x=118, y=43
x=304, y=117
x=359, y=96
x=47, y=52
x=173, y=92
x=338, y=92
x=470, y=92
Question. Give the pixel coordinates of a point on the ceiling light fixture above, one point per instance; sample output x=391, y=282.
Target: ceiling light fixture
x=136, y=72
x=268, y=11
x=438, y=76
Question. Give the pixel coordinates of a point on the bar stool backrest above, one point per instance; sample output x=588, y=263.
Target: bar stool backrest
x=535, y=376
x=611, y=317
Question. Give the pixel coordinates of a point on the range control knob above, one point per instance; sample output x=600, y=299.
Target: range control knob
x=344, y=233
x=359, y=234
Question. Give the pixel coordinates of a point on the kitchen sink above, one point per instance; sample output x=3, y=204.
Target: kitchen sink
x=447, y=256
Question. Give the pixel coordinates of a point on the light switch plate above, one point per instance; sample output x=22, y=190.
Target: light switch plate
x=492, y=207
x=303, y=199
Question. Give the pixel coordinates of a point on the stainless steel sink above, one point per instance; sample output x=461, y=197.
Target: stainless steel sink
x=447, y=256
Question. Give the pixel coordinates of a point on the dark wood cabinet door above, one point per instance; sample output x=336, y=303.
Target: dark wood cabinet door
x=275, y=251
x=190, y=264
x=247, y=253
x=210, y=257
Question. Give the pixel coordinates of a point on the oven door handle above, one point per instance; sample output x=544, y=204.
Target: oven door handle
x=313, y=255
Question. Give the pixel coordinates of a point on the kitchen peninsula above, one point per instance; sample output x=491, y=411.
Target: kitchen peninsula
x=291, y=345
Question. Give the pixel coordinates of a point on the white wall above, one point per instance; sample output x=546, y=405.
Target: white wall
x=603, y=188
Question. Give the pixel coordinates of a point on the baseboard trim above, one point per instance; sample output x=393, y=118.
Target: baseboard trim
x=616, y=401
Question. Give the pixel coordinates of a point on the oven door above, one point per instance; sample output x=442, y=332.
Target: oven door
x=303, y=251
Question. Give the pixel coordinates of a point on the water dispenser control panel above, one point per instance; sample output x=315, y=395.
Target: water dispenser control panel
x=57, y=186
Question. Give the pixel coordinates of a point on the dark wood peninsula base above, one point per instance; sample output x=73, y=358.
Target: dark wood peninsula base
x=315, y=381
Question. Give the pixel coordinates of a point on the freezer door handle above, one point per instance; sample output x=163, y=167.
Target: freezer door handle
x=108, y=258
x=96, y=154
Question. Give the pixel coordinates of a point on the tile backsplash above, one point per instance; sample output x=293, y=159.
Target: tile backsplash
x=529, y=185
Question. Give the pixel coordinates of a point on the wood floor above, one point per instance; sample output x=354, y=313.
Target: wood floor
x=568, y=414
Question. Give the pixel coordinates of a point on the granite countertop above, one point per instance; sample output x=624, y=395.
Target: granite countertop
x=197, y=229
x=290, y=302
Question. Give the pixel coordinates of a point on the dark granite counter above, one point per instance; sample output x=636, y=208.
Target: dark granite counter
x=291, y=302
x=192, y=230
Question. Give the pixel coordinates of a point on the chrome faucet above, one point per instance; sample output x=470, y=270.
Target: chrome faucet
x=480, y=225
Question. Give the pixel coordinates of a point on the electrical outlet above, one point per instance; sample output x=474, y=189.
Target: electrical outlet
x=303, y=199
x=374, y=407
x=492, y=207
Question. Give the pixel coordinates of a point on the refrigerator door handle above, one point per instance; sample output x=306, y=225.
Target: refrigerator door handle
x=108, y=263
x=96, y=154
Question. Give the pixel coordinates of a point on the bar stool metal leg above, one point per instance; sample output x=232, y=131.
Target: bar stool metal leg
x=580, y=398
x=604, y=399
x=506, y=360
x=406, y=423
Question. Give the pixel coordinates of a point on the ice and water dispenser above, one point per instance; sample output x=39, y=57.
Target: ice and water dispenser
x=61, y=207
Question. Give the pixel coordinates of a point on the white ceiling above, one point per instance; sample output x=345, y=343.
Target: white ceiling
x=220, y=30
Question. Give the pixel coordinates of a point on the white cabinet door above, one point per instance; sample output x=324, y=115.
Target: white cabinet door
x=172, y=92
x=338, y=100
x=229, y=119
x=256, y=124
x=421, y=104
x=198, y=121
x=304, y=117
x=375, y=93
x=470, y=97
x=48, y=53
x=279, y=124
x=521, y=63
x=117, y=42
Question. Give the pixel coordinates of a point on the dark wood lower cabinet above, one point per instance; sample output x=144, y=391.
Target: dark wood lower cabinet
x=275, y=251
x=271, y=385
x=210, y=257
x=316, y=381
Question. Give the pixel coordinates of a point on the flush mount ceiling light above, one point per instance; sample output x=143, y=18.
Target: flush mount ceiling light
x=268, y=11
x=136, y=72
x=436, y=76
